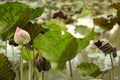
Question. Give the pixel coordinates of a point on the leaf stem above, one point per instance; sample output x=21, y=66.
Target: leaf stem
x=34, y=69
x=30, y=64
x=42, y=75
x=6, y=48
x=13, y=55
x=102, y=75
x=112, y=64
x=30, y=70
x=70, y=67
x=21, y=65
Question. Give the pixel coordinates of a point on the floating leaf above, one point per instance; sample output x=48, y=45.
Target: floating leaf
x=82, y=14
x=56, y=25
x=116, y=5
x=15, y=14
x=6, y=73
x=89, y=69
x=60, y=48
x=117, y=19
x=104, y=23
x=82, y=29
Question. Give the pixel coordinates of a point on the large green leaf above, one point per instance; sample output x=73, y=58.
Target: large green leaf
x=15, y=14
x=60, y=48
x=69, y=53
x=89, y=69
x=52, y=44
x=6, y=73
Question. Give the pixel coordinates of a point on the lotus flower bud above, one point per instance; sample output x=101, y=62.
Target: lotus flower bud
x=40, y=21
x=21, y=36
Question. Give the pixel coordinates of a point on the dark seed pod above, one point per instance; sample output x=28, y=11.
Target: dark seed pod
x=12, y=42
x=78, y=11
x=59, y=14
x=98, y=43
x=41, y=63
x=106, y=48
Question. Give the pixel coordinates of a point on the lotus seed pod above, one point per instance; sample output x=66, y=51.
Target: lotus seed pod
x=41, y=63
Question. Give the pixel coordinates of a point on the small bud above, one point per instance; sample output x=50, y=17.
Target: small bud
x=40, y=21
x=21, y=36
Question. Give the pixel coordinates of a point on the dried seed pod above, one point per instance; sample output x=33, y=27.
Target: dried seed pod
x=78, y=11
x=59, y=14
x=114, y=52
x=41, y=63
x=106, y=48
x=12, y=42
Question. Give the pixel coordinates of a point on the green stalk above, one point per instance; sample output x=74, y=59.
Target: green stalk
x=35, y=70
x=70, y=67
x=36, y=73
x=6, y=48
x=112, y=64
x=30, y=70
x=13, y=55
x=21, y=65
x=30, y=64
x=42, y=75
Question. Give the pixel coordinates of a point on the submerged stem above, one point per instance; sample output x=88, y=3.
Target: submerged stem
x=70, y=67
x=112, y=64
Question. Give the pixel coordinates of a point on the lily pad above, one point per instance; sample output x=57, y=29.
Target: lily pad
x=89, y=69
x=56, y=25
x=6, y=72
x=82, y=29
x=116, y=5
x=106, y=24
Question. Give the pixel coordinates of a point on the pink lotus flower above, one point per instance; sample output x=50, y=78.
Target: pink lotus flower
x=21, y=36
